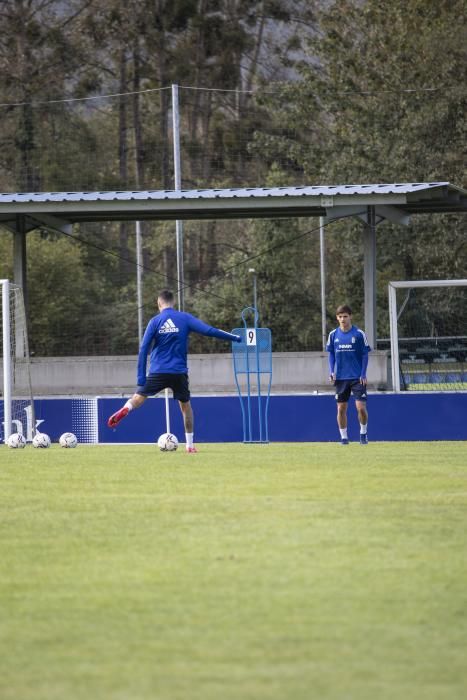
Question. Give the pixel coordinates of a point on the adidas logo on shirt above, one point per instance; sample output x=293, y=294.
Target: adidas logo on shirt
x=168, y=327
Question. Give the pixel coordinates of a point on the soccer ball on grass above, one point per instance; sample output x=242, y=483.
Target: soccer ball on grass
x=68, y=440
x=16, y=440
x=41, y=440
x=167, y=442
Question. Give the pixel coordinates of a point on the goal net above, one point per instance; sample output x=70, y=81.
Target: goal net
x=16, y=400
x=428, y=335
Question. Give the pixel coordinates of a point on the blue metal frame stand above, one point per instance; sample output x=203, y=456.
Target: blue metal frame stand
x=253, y=358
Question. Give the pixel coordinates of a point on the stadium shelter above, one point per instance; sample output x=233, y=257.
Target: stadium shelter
x=371, y=203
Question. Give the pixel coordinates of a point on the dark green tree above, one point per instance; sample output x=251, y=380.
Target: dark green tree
x=382, y=99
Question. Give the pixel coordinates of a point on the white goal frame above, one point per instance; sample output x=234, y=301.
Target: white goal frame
x=9, y=362
x=5, y=284
x=392, y=289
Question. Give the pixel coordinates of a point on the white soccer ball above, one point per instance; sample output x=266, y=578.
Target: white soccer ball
x=68, y=440
x=41, y=440
x=167, y=442
x=16, y=440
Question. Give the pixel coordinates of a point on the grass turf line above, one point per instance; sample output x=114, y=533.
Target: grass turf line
x=245, y=571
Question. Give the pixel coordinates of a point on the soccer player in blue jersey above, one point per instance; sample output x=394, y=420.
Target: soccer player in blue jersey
x=166, y=340
x=348, y=361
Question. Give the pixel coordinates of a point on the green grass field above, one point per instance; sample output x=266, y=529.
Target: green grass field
x=287, y=571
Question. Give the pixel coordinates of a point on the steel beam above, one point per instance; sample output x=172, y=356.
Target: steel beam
x=369, y=275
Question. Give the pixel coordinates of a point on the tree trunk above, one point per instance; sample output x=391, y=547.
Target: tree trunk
x=124, y=265
x=137, y=123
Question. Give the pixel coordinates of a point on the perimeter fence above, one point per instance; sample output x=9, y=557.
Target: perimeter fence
x=125, y=142
x=82, y=289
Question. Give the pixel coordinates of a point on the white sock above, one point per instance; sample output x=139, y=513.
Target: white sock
x=129, y=405
x=363, y=428
x=343, y=432
x=189, y=439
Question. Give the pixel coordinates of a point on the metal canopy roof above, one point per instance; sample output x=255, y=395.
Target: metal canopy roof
x=396, y=201
x=23, y=212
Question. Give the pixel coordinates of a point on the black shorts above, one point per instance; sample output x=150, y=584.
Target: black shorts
x=345, y=387
x=157, y=382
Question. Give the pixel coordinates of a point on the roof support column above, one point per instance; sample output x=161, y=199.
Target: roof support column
x=178, y=186
x=369, y=275
x=19, y=257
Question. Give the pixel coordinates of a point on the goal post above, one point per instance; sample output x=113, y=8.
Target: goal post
x=6, y=359
x=17, y=403
x=429, y=331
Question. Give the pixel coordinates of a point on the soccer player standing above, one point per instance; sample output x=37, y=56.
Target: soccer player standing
x=166, y=339
x=348, y=350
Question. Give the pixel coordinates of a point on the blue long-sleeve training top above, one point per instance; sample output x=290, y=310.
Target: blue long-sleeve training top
x=348, y=353
x=166, y=339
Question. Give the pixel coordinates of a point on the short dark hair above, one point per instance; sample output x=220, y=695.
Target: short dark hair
x=166, y=296
x=344, y=309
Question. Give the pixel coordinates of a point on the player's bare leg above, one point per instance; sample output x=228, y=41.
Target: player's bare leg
x=136, y=401
x=363, y=420
x=342, y=422
x=362, y=412
x=188, y=421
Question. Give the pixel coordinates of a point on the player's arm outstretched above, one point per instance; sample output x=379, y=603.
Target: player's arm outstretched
x=198, y=326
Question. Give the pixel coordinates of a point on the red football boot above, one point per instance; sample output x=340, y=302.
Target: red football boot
x=115, y=419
